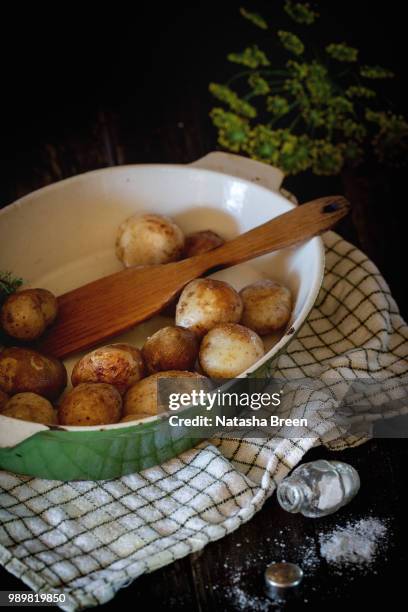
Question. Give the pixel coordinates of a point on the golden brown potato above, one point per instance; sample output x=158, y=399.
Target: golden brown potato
x=30, y=407
x=26, y=314
x=201, y=242
x=267, y=306
x=141, y=399
x=120, y=365
x=149, y=239
x=90, y=404
x=49, y=305
x=170, y=348
x=23, y=370
x=3, y=399
x=228, y=350
x=205, y=303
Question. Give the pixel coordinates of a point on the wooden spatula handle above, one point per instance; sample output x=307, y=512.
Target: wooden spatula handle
x=291, y=228
x=113, y=304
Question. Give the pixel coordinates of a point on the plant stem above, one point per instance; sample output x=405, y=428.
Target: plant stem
x=235, y=77
x=294, y=122
x=273, y=121
x=284, y=73
x=275, y=90
x=344, y=72
x=276, y=83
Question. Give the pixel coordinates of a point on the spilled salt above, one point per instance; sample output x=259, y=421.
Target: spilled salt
x=239, y=592
x=355, y=544
x=243, y=601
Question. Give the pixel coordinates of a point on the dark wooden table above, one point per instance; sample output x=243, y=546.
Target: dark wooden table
x=161, y=115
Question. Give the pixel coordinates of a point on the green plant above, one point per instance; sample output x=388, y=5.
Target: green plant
x=316, y=113
x=8, y=284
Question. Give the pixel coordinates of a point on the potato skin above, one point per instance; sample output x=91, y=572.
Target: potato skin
x=170, y=348
x=120, y=365
x=49, y=305
x=141, y=399
x=90, y=404
x=227, y=350
x=267, y=306
x=30, y=407
x=3, y=399
x=205, y=303
x=149, y=239
x=201, y=242
x=23, y=370
x=26, y=314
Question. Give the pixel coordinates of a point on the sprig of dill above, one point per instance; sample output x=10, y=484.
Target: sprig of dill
x=8, y=285
x=311, y=112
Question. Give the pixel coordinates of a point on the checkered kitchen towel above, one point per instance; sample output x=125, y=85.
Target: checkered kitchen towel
x=88, y=539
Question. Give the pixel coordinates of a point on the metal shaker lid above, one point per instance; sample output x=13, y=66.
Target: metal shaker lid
x=281, y=578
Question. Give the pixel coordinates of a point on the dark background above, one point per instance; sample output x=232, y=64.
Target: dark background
x=87, y=87
x=129, y=84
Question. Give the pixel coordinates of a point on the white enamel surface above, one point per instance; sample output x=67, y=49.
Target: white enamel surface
x=13, y=431
x=63, y=236
x=242, y=167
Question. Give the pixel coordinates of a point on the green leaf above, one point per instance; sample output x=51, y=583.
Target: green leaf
x=252, y=57
x=376, y=72
x=233, y=130
x=254, y=18
x=291, y=42
x=259, y=86
x=300, y=12
x=342, y=52
x=358, y=91
x=277, y=105
x=225, y=94
x=327, y=159
x=8, y=285
x=280, y=148
x=390, y=144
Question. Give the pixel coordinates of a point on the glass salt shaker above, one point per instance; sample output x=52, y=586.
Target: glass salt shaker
x=318, y=488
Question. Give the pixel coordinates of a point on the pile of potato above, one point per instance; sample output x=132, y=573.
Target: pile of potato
x=217, y=333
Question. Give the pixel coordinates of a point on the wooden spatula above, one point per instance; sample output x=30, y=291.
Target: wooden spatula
x=113, y=304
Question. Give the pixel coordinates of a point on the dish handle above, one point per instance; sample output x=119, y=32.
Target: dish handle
x=257, y=172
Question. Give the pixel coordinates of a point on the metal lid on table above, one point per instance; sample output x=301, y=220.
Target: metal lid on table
x=281, y=578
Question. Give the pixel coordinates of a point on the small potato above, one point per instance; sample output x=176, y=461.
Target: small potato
x=23, y=370
x=205, y=303
x=201, y=242
x=141, y=399
x=26, y=314
x=3, y=399
x=149, y=239
x=91, y=404
x=170, y=348
x=30, y=407
x=267, y=306
x=120, y=365
x=227, y=350
x=49, y=304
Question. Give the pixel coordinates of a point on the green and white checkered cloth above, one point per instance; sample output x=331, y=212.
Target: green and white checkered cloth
x=89, y=539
